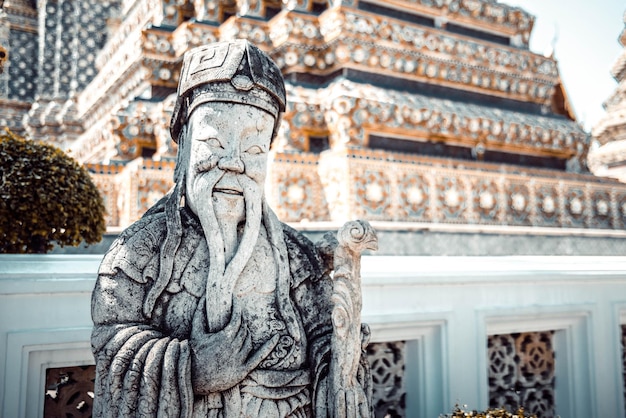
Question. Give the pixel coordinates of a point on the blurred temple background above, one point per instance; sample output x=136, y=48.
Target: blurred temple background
x=432, y=119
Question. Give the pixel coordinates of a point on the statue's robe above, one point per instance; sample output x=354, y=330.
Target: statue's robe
x=144, y=361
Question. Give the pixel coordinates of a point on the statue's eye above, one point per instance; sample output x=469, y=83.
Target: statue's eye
x=255, y=149
x=213, y=142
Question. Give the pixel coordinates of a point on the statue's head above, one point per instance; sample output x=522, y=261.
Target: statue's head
x=229, y=104
x=230, y=71
x=230, y=99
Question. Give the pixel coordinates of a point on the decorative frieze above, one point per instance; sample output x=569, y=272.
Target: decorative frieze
x=135, y=129
x=495, y=16
x=142, y=130
x=106, y=179
x=366, y=26
x=256, y=31
x=167, y=45
x=385, y=186
x=388, y=186
x=208, y=10
x=303, y=118
x=296, y=191
x=394, y=187
x=354, y=38
x=128, y=191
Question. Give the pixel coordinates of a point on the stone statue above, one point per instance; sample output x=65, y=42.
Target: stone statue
x=209, y=306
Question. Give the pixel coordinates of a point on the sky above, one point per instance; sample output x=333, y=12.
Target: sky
x=586, y=47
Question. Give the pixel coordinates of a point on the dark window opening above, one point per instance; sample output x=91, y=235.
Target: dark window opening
x=560, y=105
x=159, y=93
x=270, y=12
x=318, y=144
x=525, y=160
x=478, y=34
x=313, y=80
x=147, y=152
x=428, y=148
x=397, y=14
x=318, y=8
x=465, y=153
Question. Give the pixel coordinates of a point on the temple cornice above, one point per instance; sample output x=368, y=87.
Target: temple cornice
x=344, y=37
x=353, y=111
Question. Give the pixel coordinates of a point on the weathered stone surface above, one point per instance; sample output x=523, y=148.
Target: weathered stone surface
x=209, y=305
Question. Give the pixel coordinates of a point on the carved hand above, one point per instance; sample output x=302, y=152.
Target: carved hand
x=350, y=403
x=221, y=360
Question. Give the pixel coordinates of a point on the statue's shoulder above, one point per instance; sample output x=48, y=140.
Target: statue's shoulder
x=305, y=261
x=134, y=251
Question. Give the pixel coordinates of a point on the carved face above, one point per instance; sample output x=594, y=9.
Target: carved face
x=228, y=142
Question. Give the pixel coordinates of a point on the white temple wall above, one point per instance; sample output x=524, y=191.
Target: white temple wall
x=444, y=307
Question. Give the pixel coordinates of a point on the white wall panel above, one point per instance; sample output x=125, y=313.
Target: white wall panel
x=444, y=307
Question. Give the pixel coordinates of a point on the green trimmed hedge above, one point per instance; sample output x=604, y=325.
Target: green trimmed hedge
x=45, y=197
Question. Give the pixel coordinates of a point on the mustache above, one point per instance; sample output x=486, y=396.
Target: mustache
x=205, y=165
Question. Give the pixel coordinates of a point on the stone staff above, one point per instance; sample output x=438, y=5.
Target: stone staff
x=348, y=339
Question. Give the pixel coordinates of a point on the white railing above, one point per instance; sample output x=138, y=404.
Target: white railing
x=444, y=307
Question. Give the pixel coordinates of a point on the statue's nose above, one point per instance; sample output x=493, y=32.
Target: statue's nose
x=231, y=163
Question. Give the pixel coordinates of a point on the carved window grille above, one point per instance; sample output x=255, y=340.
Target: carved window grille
x=521, y=372
x=69, y=392
x=387, y=365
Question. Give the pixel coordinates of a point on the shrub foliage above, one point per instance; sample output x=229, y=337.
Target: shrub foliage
x=45, y=197
x=490, y=413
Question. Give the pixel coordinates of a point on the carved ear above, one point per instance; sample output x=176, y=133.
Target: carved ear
x=182, y=157
x=277, y=122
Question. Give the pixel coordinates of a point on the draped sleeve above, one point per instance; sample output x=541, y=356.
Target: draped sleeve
x=140, y=370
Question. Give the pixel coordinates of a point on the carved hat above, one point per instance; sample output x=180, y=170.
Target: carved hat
x=231, y=71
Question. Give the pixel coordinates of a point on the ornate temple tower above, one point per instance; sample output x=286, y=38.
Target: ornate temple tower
x=609, y=159
x=415, y=114
x=53, y=46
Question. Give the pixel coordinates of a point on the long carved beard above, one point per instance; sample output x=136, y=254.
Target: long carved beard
x=223, y=277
